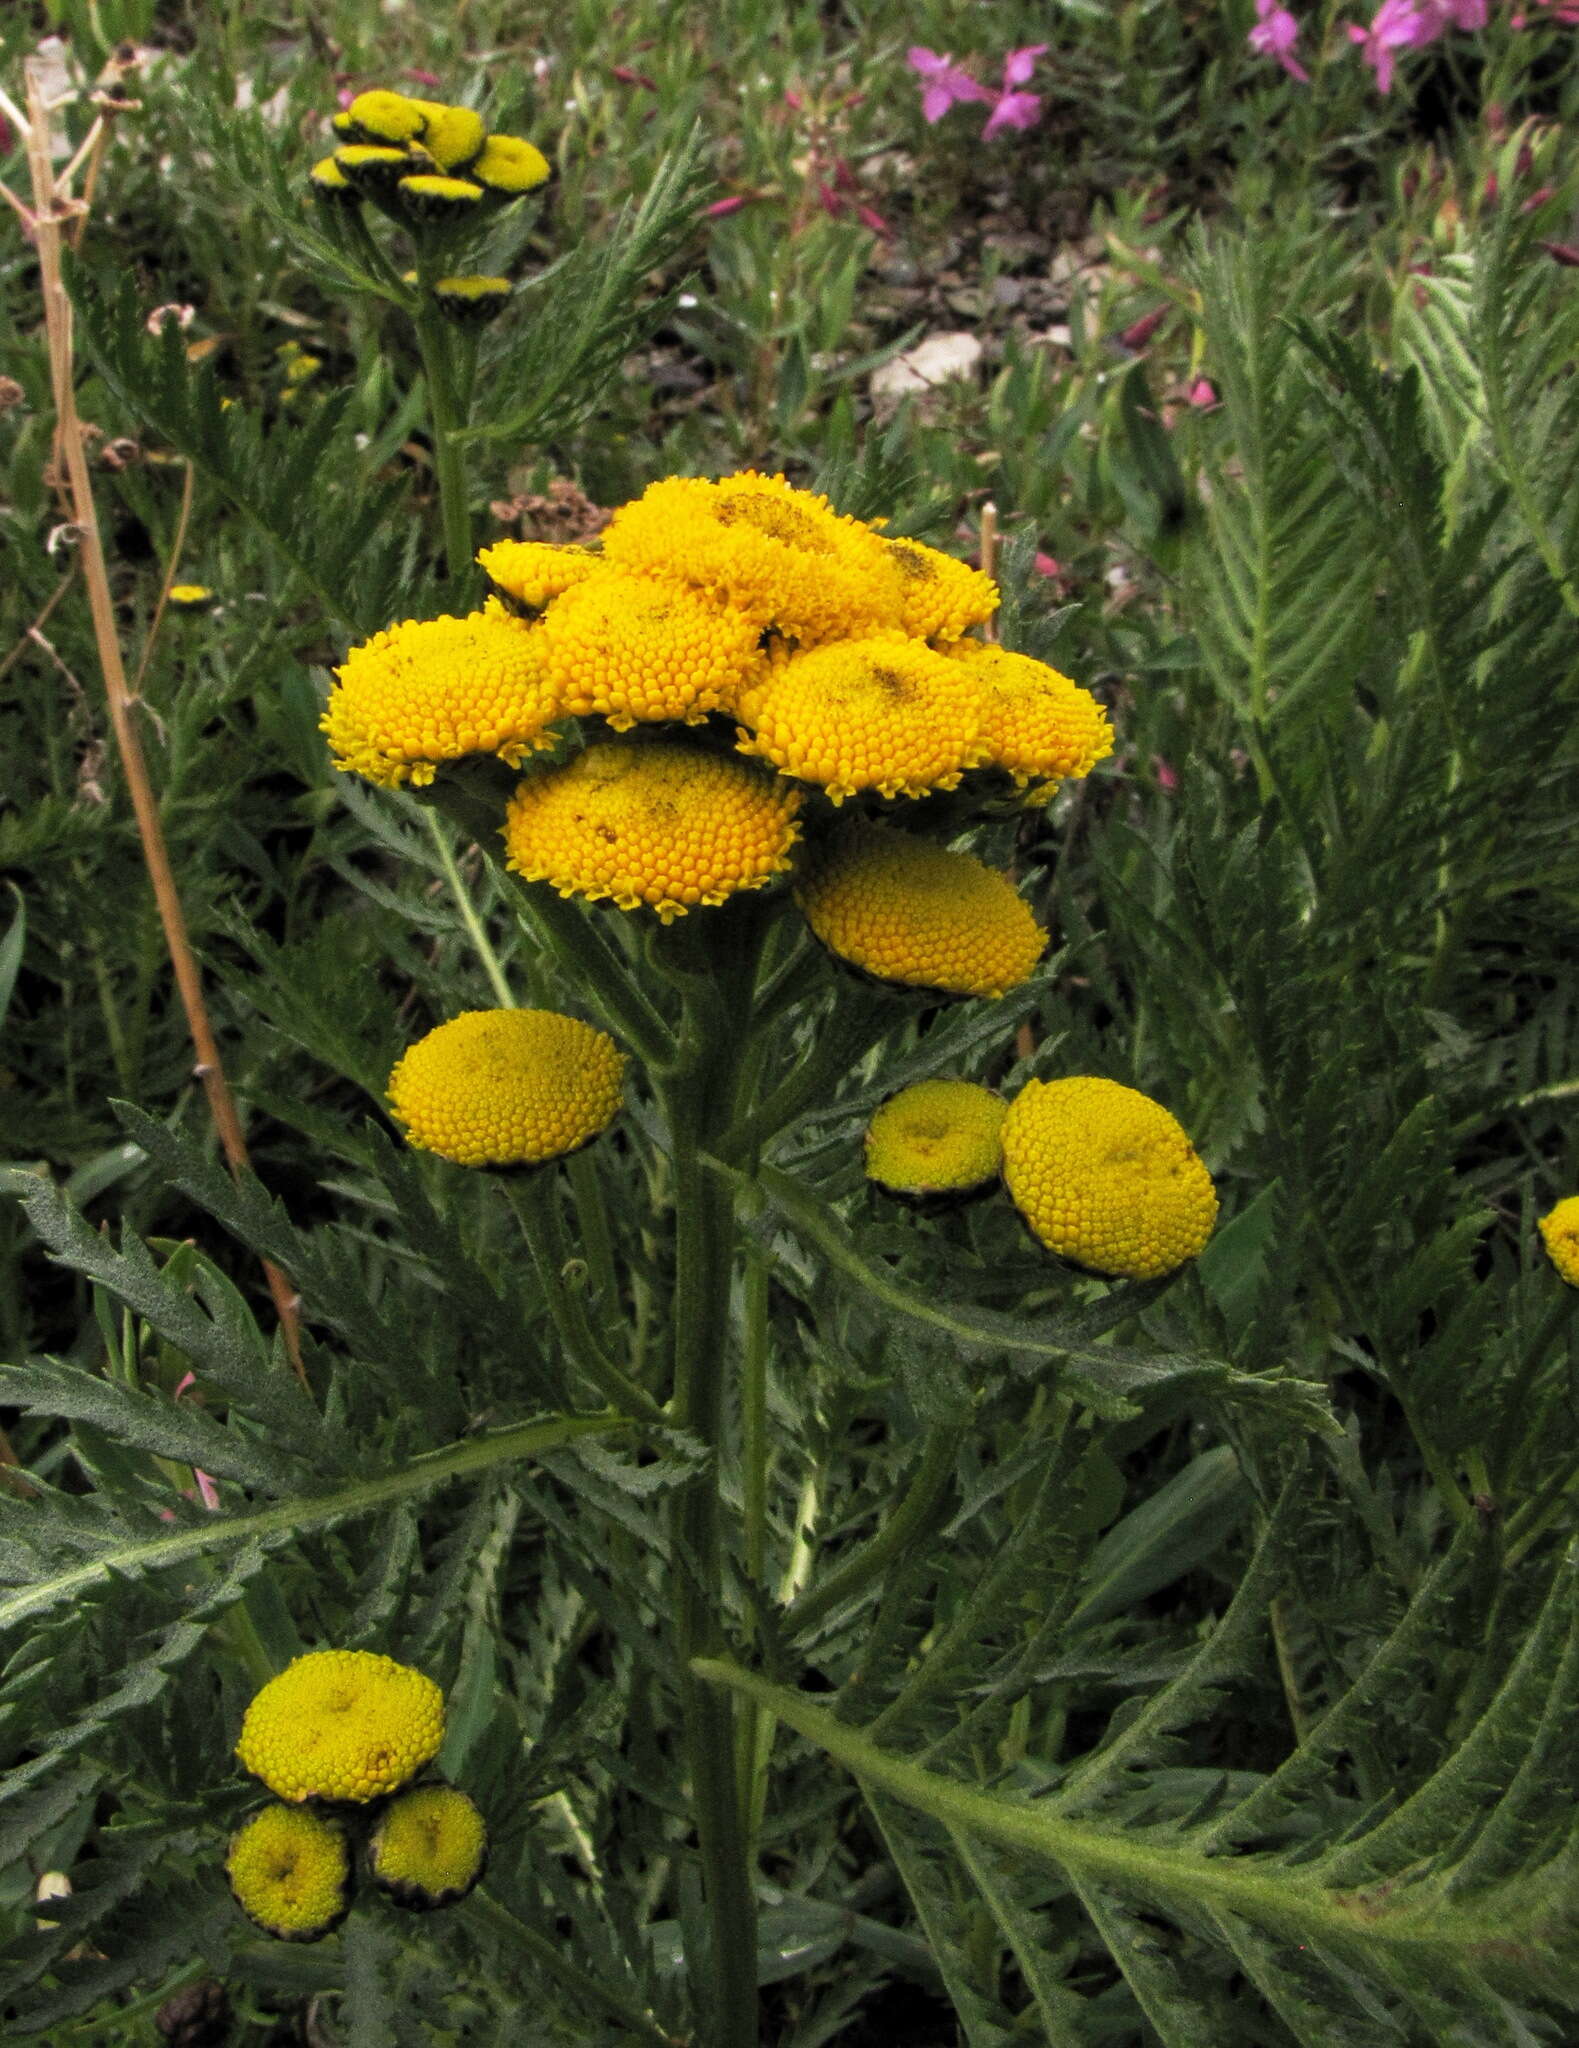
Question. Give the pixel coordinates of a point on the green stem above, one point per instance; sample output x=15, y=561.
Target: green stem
x=588, y=958
x=449, y=456
x=593, y=1223
x=833, y=1056
x=534, y=1199
x=907, y=1522
x=551, y=1956
x=468, y=911
x=699, y=1096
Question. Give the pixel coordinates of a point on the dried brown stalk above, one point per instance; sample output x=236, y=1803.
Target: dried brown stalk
x=53, y=208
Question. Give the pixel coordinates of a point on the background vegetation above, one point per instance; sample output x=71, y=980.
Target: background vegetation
x=1310, y=532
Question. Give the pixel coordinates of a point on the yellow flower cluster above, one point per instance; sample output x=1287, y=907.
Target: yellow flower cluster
x=350, y=1728
x=343, y=1725
x=838, y=660
x=1106, y=1177
x=424, y=161
x=507, y=1087
x=936, y=1140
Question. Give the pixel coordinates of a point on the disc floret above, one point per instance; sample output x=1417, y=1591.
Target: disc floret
x=1106, y=1177
x=342, y=1725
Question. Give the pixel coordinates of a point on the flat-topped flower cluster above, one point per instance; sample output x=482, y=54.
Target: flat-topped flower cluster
x=746, y=650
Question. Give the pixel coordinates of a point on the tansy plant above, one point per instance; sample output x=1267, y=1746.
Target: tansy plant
x=715, y=1547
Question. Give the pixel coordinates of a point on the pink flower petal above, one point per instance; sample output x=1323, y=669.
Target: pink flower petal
x=1019, y=64
x=1014, y=110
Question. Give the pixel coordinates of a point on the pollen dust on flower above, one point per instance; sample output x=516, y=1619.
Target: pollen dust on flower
x=665, y=825
x=884, y=713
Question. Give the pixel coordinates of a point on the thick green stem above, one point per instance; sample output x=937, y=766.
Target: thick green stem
x=434, y=340
x=533, y=1197
x=699, y=1097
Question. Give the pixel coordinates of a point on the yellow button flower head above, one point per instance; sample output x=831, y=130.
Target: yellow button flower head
x=638, y=652
x=1106, y=1177
x=936, y=1138
x=509, y=167
x=783, y=556
x=191, y=597
x=882, y=713
x=1035, y=723
x=372, y=167
x=429, y=1847
x=939, y=596
x=472, y=297
x=529, y=574
x=435, y=196
x=664, y=825
x=290, y=1872
x=1560, y=1230
x=330, y=183
x=381, y=117
x=434, y=690
x=507, y=1087
x=345, y=1725
x=452, y=136
x=907, y=911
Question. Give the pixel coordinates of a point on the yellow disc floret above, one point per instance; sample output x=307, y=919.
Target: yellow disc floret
x=936, y=1138
x=1106, y=1177
x=882, y=713
x=372, y=166
x=329, y=182
x=664, y=825
x=344, y=1725
x=381, y=117
x=433, y=195
x=470, y=296
x=507, y=1087
x=909, y=912
x=782, y=556
x=939, y=596
x=452, y=136
x=1035, y=723
x=434, y=690
x=429, y=1847
x=635, y=651
x=1559, y=1229
x=289, y=1871
x=529, y=574
x=508, y=166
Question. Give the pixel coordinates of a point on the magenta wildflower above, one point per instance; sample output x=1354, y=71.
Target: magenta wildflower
x=1274, y=35
x=1202, y=394
x=945, y=83
x=732, y=204
x=1011, y=107
x=948, y=83
x=1411, y=25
